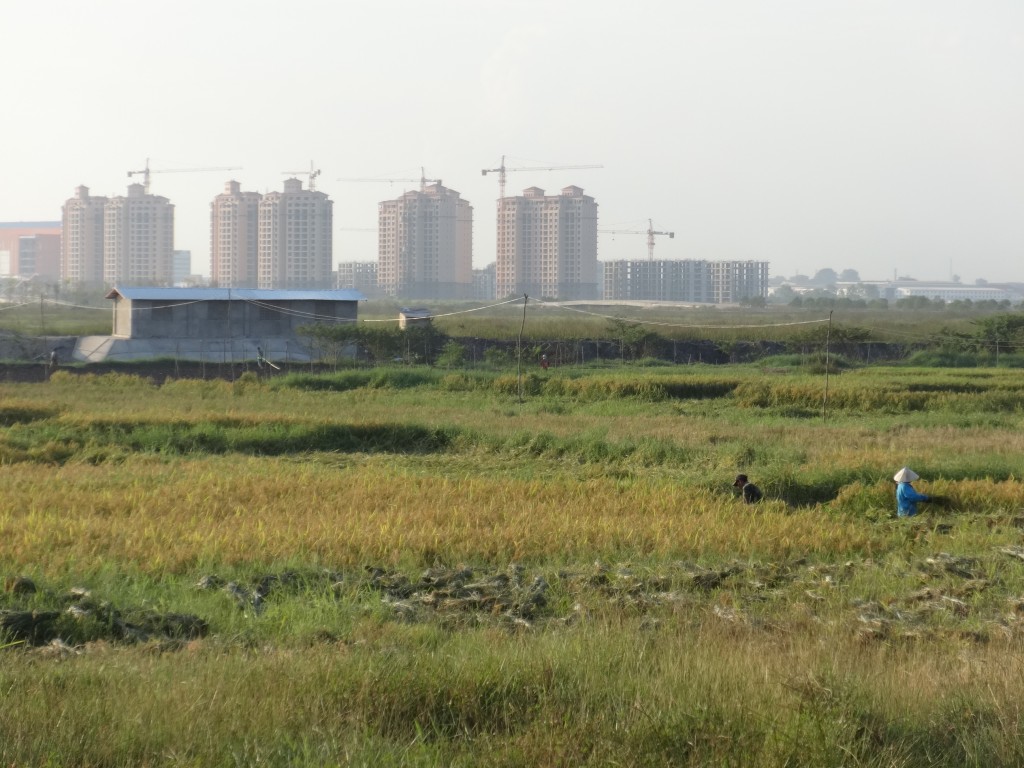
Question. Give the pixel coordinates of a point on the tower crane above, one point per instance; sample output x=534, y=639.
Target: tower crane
x=311, y=174
x=501, y=170
x=423, y=180
x=147, y=170
x=650, y=232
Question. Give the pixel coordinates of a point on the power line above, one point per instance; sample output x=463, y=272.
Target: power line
x=674, y=325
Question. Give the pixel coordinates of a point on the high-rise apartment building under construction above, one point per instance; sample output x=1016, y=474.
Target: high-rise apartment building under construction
x=81, y=259
x=117, y=240
x=234, y=237
x=138, y=239
x=294, y=250
x=547, y=245
x=425, y=245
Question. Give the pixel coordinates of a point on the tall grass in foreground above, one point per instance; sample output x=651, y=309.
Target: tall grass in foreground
x=679, y=627
x=610, y=691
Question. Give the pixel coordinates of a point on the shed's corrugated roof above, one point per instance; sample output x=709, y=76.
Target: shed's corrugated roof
x=232, y=294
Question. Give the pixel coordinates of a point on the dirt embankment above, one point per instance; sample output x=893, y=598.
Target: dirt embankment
x=158, y=370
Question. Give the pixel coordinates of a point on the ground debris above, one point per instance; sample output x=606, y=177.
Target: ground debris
x=251, y=595
x=1017, y=552
x=19, y=585
x=955, y=564
x=31, y=627
x=464, y=591
x=58, y=649
x=83, y=617
x=708, y=579
x=726, y=613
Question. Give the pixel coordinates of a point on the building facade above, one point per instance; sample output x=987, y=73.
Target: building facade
x=357, y=275
x=39, y=256
x=294, y=249
x=234, y=237
x=27, y=248
x=688, y=280
x=217, y=325
x=953, y=292
x=547, y=245
x=734, y=281
x=483, y=283
x=138, y=239
x=658, y=280
x=211, y=313
x=425, y=245
x=81, y=260
x=182, y=268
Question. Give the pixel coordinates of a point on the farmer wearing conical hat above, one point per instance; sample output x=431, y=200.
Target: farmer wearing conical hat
x=906, y=496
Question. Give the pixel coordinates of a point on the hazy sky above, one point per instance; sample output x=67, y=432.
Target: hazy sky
x=882, y=135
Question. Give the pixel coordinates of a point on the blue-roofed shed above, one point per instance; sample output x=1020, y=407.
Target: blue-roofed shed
x=216, y=324
x=207, y=313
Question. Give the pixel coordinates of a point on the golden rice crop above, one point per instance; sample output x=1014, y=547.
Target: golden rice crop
x=169, y=515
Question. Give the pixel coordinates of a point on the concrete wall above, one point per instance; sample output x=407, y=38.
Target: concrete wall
x=151, y=319
x=95, y=349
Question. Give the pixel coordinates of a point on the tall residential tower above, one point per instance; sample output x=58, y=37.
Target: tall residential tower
x=425, y=245
x=81, y=259
x=138, y=239
x=295, y=246
x=547, y=245
x=234, y=237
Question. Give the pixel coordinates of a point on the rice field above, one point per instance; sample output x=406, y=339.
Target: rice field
x=430, y=567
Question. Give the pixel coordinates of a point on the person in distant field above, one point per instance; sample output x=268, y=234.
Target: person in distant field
x=53, y=359
x=906, y=496
x=750, y=492
x=544, y=362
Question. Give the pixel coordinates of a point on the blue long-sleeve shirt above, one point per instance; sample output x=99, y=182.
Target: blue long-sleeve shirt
x=906, y=500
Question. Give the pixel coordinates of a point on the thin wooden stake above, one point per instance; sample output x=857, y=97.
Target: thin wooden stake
x=519, y=346
x=828, y=335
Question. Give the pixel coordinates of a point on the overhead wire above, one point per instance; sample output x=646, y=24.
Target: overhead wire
x=315, y=317
x=675, y=325
x=331, y=318
x=15, y=306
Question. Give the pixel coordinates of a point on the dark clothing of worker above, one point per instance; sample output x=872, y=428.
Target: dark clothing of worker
x=751, y=493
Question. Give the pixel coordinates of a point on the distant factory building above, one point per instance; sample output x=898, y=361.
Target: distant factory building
x=953, y=292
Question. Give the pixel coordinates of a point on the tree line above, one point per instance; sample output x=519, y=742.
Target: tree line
x=424, y=343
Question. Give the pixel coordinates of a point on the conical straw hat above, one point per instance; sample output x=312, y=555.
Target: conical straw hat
x=906, y=475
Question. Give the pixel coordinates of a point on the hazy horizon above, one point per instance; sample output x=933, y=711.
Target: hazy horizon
x=874, y=135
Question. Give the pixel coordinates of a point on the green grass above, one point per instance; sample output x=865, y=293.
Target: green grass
x=678, y=627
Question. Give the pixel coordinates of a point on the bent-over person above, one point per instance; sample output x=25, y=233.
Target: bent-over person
x=750, y=492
